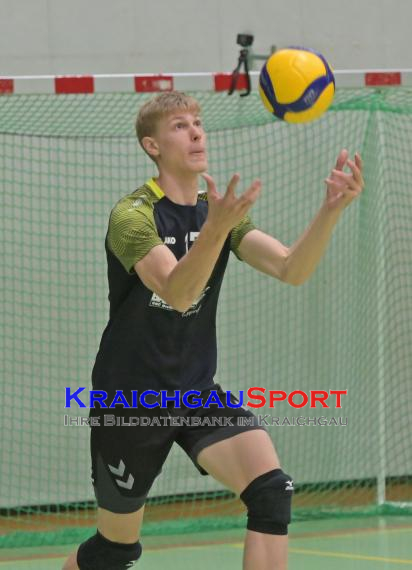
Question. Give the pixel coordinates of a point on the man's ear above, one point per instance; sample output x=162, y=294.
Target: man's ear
x=150, y=146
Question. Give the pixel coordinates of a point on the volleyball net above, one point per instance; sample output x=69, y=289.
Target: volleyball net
x=65, y=160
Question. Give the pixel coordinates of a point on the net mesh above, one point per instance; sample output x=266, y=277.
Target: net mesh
x=65, y=161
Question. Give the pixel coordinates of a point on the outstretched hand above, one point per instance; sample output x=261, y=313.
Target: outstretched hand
x=226, y=211
x=344, y=187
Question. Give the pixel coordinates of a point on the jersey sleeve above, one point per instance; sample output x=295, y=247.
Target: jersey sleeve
x=132, y=233
x=238, y=233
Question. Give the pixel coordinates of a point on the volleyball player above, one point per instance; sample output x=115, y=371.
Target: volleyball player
x=167, y=248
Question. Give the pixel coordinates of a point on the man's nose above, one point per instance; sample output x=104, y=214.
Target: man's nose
x=196, y=134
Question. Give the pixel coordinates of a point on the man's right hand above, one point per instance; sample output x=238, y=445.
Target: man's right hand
x=225, y=212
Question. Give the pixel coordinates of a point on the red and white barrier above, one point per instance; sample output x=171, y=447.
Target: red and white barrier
x=151, y=83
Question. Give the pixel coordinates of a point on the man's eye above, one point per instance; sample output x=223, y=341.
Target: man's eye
x=179, y=125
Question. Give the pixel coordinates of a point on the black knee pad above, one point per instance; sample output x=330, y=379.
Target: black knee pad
x=269, y=502
x=98, y=553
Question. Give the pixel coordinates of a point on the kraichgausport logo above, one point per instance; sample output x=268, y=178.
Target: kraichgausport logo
x=257, y=397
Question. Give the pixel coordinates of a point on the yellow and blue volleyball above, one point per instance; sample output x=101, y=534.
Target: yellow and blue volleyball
x=297, y=85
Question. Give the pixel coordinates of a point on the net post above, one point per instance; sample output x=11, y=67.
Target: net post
x=381, y=309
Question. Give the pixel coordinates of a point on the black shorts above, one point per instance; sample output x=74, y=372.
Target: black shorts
x=127, y=458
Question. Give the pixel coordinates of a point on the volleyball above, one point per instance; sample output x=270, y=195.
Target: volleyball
x=297, y=85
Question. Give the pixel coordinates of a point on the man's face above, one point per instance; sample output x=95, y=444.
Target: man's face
x=181, y=143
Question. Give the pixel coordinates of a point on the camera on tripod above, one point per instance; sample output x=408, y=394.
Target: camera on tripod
x=245, y=40
x=245, y=60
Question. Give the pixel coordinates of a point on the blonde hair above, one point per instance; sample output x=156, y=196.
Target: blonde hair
x=159, y=107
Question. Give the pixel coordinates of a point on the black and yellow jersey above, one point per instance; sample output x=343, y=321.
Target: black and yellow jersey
x=147, y=344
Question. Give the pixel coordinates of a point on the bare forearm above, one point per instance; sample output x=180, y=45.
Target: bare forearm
x=305, y=254
x=188, y=278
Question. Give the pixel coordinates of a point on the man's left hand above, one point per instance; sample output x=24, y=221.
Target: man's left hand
x=344, y=187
